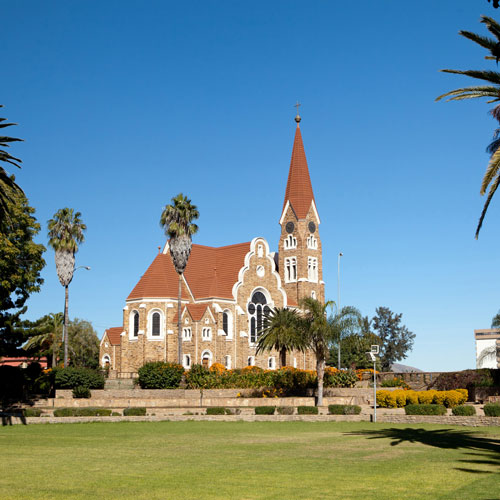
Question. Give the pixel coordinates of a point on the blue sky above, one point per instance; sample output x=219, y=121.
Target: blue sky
x=123, y=105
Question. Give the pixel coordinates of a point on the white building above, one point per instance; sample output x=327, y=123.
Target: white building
x=487, y=348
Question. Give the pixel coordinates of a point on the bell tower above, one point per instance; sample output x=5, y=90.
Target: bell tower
x=300, y=257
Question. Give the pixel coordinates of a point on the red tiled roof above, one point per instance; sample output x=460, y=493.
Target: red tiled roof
x=196, y=310
x=298, y=188
x=210, y=273
x=114, y=334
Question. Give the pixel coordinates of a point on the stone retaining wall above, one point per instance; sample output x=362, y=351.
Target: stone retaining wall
x=434, y=419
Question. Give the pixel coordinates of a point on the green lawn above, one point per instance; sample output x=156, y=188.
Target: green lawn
x=245, y=460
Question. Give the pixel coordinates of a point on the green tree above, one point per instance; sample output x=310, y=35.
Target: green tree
x=65, y=234
x=21, y=261
x=495, y=322
x=9, y=190
x=83, y=344
x=396, y=340
x=45, y=337
x=491, y=91
x=280, y=333
x=344, y=323
x=177, y=221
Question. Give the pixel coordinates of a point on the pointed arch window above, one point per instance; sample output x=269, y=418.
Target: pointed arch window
x=290, y=269
x=290, y=242
x=155, y=330
x=257, y=309
x=136, y=323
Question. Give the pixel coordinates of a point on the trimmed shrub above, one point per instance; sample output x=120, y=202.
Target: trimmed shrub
x=82, y=412
x=484, y=377
x=71, y=377
x=285, y=410
x=426, y=397
x=492, y=409
x=160, y=375
x=394, y=382
x=216, y=410
x=411, y=398
x=344, y=409
x=265, y=410
x=425, y=409
x=81, y=392
x=134, y=411
x=307, y=410
x=464, y=411
x=339, y=378
x=32, y=412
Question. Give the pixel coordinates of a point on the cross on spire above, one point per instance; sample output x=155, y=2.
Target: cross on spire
x=297, y=118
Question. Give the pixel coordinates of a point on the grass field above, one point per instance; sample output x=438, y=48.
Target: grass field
x=249, y=460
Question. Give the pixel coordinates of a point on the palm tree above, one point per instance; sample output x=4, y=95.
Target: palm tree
x=50, y=339
x=8, y=187
x=176, y=219
x=281, y=333
x=317, y=334
x=492, y=92
x=65, y=234
x=345, y=322
x=495, y=322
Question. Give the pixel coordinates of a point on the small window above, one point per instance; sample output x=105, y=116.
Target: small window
x=186, y=334
x=227, y=362
x=312, y=242
x=136, y=324
x=291, y=269
x=251, y=361
x=295, y=362
x=206, y=334
x=187, y=361
x=313, y=294
x=156, y=324
x=271, y=363
x=312, y=269
x=225, y=322
x=290, y=242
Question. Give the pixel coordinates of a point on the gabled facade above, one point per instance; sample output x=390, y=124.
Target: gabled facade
x=226, y=292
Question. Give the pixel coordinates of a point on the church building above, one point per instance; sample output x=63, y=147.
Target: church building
x=226, y=291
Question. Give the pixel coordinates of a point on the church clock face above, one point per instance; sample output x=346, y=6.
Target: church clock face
x=289, y=227
x=312, y=227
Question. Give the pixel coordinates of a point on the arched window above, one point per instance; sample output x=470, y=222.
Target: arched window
x=134, y=325
x=257, y=309
x=313, y=294
x=227, y=323
x=251, y=361
x=290, y=242
x=312, y=242
x=206, y=358
x=186, y=361
x=155, y=330
x=312, y=269
x=290, y=269
x=271, y=363
x=106, y=361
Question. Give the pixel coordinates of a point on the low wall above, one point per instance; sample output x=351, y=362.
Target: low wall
x=477, y=421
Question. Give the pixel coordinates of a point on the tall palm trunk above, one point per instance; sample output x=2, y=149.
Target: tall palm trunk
x=282, y=358
x=179, y=333
x=65, y=325
x=320, y=369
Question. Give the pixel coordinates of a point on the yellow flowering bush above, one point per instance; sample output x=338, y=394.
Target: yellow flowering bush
x=411, y=397
x=400, y=398
x=217, y=368
x=426, y=397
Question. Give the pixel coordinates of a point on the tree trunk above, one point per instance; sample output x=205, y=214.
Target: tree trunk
x=65, y=326
x=179, y=333
x=320, y=370
x=282, y=358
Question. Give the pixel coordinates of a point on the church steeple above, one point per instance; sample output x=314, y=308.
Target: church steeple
x=299, y=191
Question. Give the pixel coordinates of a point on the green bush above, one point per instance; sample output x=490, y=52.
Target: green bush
x=285, y=410
x=492, y=409
x=344, y=409
x=342, y=378
x=82, y=412
x=81, y=392
x=425, y=409
x=134, y=411
x=307, y=410
x=265, y=410
x=483, y=377
x=216, y=410
x=32, y=412
x=160, y=375
x=464, y=411
x=71, y=377
x=394, y=382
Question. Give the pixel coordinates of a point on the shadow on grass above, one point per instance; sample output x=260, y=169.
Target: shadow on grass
x=484, y=450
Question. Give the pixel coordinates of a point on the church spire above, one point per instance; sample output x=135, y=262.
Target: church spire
x=298, y=188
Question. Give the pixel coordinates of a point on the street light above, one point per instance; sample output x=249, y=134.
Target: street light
x=65, y=326
x=372, y=354
x=338, y=304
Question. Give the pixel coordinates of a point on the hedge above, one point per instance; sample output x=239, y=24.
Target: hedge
x=265, y=410
x=160, y=375
x=307, y=410
x=216, y=410
x=464, y=411
x=134, y=411
x=32, y=412
x=425, y=409
x=81, y=392
x=285, y=410
x=492, y=409
x=401, y=398
x=344, y=409
x=82, y=412
x=71, y=377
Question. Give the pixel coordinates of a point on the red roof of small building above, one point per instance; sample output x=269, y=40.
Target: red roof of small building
x=210, y=273
x=114, y=334
x=298, y=188
x=195, y=310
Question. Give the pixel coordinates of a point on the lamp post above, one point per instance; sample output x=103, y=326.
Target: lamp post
x=65, y=326
x=338, y=305
x=372, y=354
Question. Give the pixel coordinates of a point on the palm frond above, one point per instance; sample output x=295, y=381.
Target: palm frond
x=494, y=144
x=487, y=43
x=492, y=170
x=491, y=25
x=481, y=91
x=493, y=188
x=489, y=76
